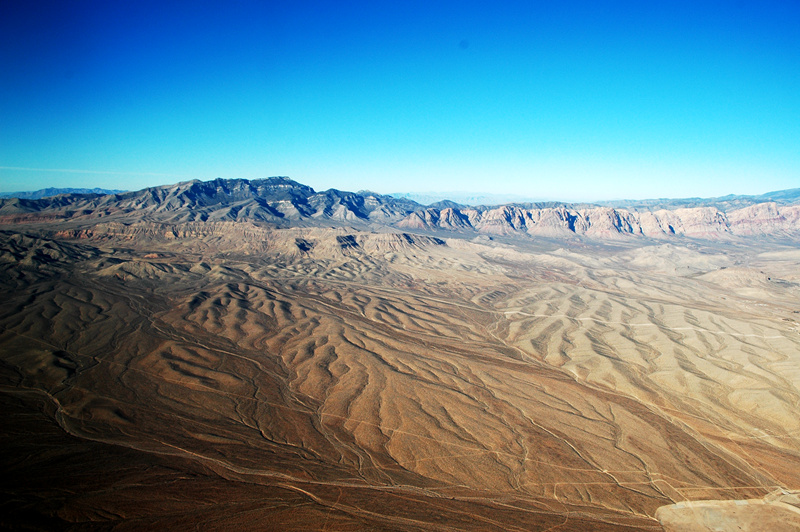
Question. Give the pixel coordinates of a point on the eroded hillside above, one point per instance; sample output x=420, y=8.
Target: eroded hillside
x=229, y=374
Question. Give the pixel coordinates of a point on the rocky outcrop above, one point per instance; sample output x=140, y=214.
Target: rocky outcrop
x=604, y=222
x=765, y=219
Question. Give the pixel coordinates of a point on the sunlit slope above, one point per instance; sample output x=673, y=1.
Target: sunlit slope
x=401, y=382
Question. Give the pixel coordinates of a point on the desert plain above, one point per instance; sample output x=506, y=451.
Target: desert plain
x=222, y=374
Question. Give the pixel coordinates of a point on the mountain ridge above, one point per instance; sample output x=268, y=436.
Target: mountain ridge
x=484, y=200
x=282, y=202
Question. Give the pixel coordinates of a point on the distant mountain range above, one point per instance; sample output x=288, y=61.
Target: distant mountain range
x=278, y=200
x=723, y=203
x=462, y=198
x=48, y=192
x=731, y=201
x=456, y=199
x=281, y=202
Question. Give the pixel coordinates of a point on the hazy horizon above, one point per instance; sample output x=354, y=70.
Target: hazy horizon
x=575, y=101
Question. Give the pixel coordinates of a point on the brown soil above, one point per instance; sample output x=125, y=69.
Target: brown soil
x=378, y=382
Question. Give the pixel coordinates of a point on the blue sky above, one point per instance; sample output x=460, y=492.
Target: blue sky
x=551, y=100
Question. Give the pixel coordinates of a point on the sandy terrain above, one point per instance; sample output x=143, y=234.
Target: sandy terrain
x=777, y=512
x=320, y=379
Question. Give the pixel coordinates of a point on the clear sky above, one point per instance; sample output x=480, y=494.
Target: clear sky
x=553, y=100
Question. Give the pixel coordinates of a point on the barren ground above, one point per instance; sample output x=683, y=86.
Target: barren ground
x=322, y=380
